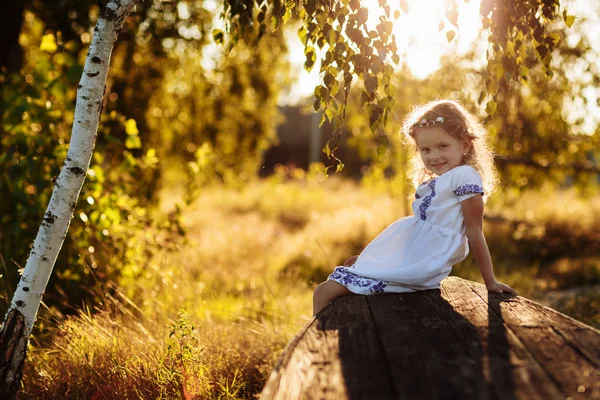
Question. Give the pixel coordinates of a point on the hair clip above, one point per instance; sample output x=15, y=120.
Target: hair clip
x=427, y=122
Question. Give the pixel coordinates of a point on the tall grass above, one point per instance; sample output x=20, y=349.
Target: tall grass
x=209, y=320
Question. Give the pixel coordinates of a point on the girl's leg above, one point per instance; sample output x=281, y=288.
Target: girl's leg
x=325, y=293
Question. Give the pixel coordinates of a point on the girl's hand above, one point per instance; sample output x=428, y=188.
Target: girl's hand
x=350, y=261
x=499, y=287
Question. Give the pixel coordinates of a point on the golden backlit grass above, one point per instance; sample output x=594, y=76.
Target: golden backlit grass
x=210, y=320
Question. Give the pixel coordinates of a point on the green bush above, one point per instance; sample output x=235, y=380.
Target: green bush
x=114, y=228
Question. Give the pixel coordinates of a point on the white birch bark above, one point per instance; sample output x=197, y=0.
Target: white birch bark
x=24, y=306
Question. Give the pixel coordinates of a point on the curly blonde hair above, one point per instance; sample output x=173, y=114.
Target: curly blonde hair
x=460, y=124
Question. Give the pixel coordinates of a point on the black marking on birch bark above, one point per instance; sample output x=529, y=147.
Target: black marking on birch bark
x=69, y=158
x=19, y=303
x=108, y=14
x=92, y=74
x=76, y=170
x=26, y=289
x=79, y=86
x=49, y=217
x=85, y=97
x=44, y=259
x=96, y=60
x=72, y=205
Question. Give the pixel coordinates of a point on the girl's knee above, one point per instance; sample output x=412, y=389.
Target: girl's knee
x=329, y=290
x=325, y=293
x=320, y=290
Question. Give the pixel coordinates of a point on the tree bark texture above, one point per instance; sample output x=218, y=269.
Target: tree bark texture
x=24, y=306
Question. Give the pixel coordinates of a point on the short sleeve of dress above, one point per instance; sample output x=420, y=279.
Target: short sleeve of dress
x=466, y=183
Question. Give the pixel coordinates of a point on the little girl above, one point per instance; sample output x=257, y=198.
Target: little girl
x=455, y=168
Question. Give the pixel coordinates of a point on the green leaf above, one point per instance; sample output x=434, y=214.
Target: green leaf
x=542, y=51
x=569, y=19
x=330, y=113
x=481, y=97
x=381, y=151
x=218, y=36
x=327, y=150
x=390, y=90
x=48, y=43
x=131, y=127
x=498, y=70
x=491, y=106
x=370, y=83
x=362, y=15
x=287, y=15
x=331, y=37
x=329, y=80
x=302, y=35
x=133, y=142
x=275, y=21
x=311, y=58
x=321, y=92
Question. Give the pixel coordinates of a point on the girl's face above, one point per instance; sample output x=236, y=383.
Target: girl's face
x=439, y=151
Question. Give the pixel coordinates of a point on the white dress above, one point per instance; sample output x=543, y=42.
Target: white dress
x=417, y=252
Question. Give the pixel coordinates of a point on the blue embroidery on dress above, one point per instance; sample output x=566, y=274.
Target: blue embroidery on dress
x=427, y=200
x=468, y=189
x=342, y=276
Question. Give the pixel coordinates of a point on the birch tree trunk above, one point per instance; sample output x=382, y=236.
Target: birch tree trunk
x=18, y=323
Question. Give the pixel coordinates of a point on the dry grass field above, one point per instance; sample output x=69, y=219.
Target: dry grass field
x=210, y=320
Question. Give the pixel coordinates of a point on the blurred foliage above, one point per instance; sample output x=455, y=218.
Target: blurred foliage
x=160, y=104
x=521, y=38
x=534, y=131
x=218, y=122
x=114, y=230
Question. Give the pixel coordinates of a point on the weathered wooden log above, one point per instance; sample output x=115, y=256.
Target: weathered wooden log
x=458, y=342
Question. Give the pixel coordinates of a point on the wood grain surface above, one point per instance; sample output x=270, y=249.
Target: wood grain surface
x=458, y=342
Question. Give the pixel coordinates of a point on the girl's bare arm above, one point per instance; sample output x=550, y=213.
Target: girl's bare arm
x=472, y=210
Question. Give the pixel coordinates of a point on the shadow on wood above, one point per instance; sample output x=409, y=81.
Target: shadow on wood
x=458, y=342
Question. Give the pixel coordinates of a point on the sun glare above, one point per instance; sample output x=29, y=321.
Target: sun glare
x=420, y=39
x=422, y=33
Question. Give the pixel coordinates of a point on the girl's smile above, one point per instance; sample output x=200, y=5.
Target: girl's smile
x=440, y=151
